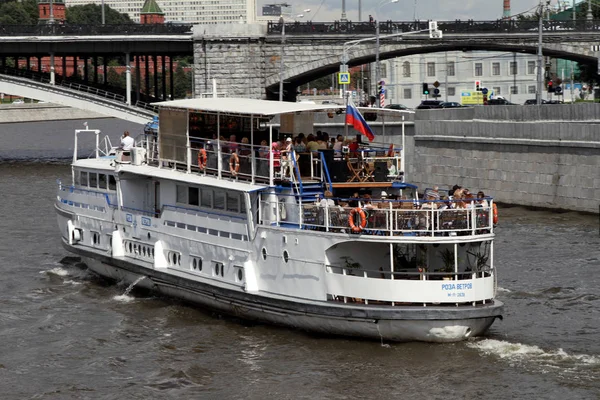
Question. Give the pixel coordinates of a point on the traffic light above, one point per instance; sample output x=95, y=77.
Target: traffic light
x=425, y=88
x=478, y=86
x=550, y=87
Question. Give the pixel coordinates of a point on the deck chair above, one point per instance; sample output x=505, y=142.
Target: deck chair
x=354, y=172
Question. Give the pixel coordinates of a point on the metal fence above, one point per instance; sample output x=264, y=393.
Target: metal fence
x=95, y=30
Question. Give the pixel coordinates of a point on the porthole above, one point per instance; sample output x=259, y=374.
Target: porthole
x=217, y=269
x=194, y=263
x=130, y=247
x=135, y=248
x=179, y=260
x=222, y=270
x=153, y=252
x=264, y=253
x=199, y=264
x=286, y=256
x=240, y=275
x=144, y=250
x=149, y=236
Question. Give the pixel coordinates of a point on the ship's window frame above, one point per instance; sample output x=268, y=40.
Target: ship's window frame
x=206, y=198
x=76, y=175
x=102, y=182
x=112, y=182
x=84, y=178
x=93, y=179
x=181, y=194
x=193, y=196
x=219, y=199
x=232, y=200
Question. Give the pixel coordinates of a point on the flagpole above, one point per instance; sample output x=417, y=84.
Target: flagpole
x=345, y=123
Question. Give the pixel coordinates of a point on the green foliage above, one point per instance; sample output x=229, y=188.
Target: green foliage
x=182, y=83
x=19, y=13
x=322, y=83
x=91, y=14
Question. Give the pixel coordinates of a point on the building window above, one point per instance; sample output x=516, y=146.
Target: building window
x=478, y=69
x=451, y=91
x=430, y=69
x=531, y=89
x=513, y=67
x=450, y=71
x=406, y=69
x=408, y=93
x=497, y=90
x=496, y=68
x=514, y=90
x=531, y=67
x=383, y=70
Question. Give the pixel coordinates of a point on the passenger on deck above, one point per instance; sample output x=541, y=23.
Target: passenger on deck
x=392, y=170
x=286, y=158
x=481, y=201
x=354, y=202
x=312, y=144
x=327, y=201
x=337, y=146
x=127, y=141
x=299, y=146
x=276, y=157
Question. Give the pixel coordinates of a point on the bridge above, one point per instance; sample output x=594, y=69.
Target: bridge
x=245, y=58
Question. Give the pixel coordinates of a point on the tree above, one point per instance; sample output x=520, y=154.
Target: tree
x=181, y=83
x=91, y=14
x=19, y=13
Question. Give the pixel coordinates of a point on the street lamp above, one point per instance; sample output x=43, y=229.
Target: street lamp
x=281, y=67
x=377, y=66
x=590, y=16
x=538, y=97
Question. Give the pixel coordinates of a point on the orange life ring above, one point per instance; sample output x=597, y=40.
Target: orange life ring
x=495, y=210
x=202, y=159
x=234, y=164
x=361, y=223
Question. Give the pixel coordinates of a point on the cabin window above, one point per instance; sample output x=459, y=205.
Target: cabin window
x=206, y=198
x=112, y=183
x=181, y=196
x=233, y=202
x=84, y=178
x=219, y=203
x=93, y=180
x=77, y=177
x=193, y=196
x=102, y=181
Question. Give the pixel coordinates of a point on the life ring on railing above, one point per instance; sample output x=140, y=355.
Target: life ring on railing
x=359, y=224
x=202, y=159
x=234, y=164
x=495, y=213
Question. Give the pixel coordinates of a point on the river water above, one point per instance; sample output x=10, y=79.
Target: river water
x=67, y=334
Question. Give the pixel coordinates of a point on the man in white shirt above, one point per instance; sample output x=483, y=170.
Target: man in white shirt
x=127, y=141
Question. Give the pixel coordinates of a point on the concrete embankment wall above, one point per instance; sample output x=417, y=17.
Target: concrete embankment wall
x=35, y=112
x=544, y=156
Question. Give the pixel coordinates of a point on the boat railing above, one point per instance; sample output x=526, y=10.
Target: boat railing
x=381, y=217
x=411, y=273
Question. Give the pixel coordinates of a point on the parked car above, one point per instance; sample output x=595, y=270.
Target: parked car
x=555, y=102
x=428, y=104
x=529, y=102
x=396, y=107
x=450, y=104
x=18, y=101
x=499, y=102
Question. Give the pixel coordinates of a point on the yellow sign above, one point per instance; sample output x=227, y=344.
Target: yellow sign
x=344, y=78
x=468, y=97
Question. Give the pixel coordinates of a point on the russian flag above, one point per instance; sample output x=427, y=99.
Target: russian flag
x=354, y=118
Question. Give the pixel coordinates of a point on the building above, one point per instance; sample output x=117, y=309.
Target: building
x=151, y=13
x=510, y=75
x=186, y=11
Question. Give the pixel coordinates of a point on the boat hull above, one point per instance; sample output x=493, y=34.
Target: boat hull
x=400, y=323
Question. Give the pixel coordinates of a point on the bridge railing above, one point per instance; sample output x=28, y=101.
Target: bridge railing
x=95, y=30
x=457, y=26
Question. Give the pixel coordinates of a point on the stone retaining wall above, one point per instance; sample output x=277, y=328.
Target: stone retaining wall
x=35, y=112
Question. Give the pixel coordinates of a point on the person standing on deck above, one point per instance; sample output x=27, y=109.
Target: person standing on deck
x=127, y=141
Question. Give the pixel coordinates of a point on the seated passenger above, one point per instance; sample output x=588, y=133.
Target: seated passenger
x=327, y=201
x=481, y=201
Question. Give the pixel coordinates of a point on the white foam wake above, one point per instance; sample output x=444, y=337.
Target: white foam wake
x=123, y=298
x=501, y=289
x=518, y=352
x=56, y=271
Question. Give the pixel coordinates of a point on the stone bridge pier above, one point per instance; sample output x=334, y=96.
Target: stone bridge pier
x=244, y=59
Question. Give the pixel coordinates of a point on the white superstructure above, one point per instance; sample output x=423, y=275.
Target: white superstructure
x=235, y=227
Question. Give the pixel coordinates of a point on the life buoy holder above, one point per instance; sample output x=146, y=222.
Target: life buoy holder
x=495, y=213
x=234, y=164
x=202, y=159
x=357, y=225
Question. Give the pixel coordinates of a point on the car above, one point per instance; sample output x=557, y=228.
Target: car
x=429, y=104
x=18, y=101
x=451, y=104
x=396, y=107
x=530, y=102
x=499, y=102
x=555, y=102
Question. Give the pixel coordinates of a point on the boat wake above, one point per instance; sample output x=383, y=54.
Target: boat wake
x=578, y=366
x=57, y=271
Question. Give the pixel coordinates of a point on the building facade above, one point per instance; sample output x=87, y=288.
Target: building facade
x=510, y=75
x=206, y=12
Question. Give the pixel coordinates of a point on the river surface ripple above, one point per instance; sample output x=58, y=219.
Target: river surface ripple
x=67, y=334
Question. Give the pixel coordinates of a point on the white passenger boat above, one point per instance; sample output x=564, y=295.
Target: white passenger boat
x=235, y=229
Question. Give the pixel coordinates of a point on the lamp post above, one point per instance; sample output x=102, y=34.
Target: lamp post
x=282, y=22
x=51, y=11
x=590, y=16
x=103, y=18
x=377, y=66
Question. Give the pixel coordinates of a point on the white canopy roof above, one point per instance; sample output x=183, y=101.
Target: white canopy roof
x=232, y=105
